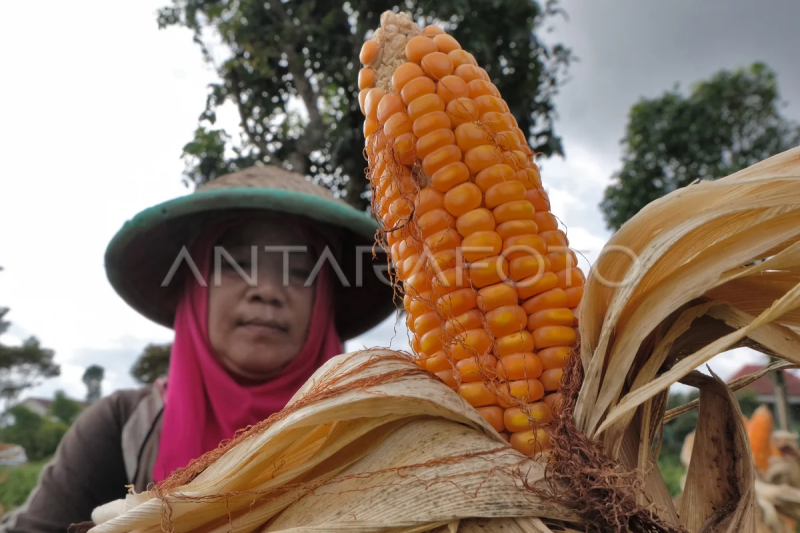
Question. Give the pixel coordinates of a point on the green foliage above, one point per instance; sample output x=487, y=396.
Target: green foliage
x=207, y=153
x=25, y=422
x=23, y=367
x=672, y=471
x=748, y=401
x=65, y=409
x=3, y=311
x=676, y=430
x=47, y=439
x=16, y=483
x=39, y=437
x=286, y=51
x=3, y=325
x=152, y=364
x=725, y=124
x=93, y=379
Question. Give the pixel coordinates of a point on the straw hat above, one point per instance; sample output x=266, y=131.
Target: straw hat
x=139, y=257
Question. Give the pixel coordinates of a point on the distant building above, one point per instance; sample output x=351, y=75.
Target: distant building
x=764, y=387
x=12, y=455
x=41, y=406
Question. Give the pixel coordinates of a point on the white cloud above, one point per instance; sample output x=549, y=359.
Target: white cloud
x=729, y=362
x=583, y=169
x=726, y=364
x=391, y=333
x=587, y=246
x=561, y=200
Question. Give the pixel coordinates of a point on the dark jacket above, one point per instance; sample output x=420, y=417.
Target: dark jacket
x=112, y=445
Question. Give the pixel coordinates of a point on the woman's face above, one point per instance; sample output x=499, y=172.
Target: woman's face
x=258, y=326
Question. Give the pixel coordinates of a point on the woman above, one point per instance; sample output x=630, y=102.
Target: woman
x=258, y=274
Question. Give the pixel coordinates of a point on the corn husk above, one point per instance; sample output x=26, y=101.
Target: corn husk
x=373, y=443
x=777, y=491
x=403, y=454
x=717, y=266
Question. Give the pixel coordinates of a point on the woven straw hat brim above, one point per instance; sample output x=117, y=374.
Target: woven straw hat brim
x=139, y=257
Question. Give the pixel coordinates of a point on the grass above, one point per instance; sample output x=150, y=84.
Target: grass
x=17, y=483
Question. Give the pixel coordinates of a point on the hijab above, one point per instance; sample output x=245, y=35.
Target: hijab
x=204, y=404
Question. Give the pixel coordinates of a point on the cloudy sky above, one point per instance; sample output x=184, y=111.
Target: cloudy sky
x=97, y=103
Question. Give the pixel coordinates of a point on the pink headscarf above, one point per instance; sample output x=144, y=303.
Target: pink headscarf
x=204, y=404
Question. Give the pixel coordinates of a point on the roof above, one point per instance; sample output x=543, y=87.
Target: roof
x=47, y=402
x=764, y=386
x=44, y=401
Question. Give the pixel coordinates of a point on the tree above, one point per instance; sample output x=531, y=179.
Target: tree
x=725, y=124
x=93, y=379
x=152, y=364
x=24, y=429
x=65, y=409
x=22, y=367
x=3, y=311
x=3, y=325
x=292, y=74
x=39, y=437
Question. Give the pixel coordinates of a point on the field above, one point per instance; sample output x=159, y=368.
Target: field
x=16, y=484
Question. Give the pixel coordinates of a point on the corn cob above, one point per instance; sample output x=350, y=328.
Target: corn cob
x=489, y=282
x=759, y=430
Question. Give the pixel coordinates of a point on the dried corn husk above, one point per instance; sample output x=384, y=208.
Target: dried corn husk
x=777, y=492
x=717, y=266
x=395, y=450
